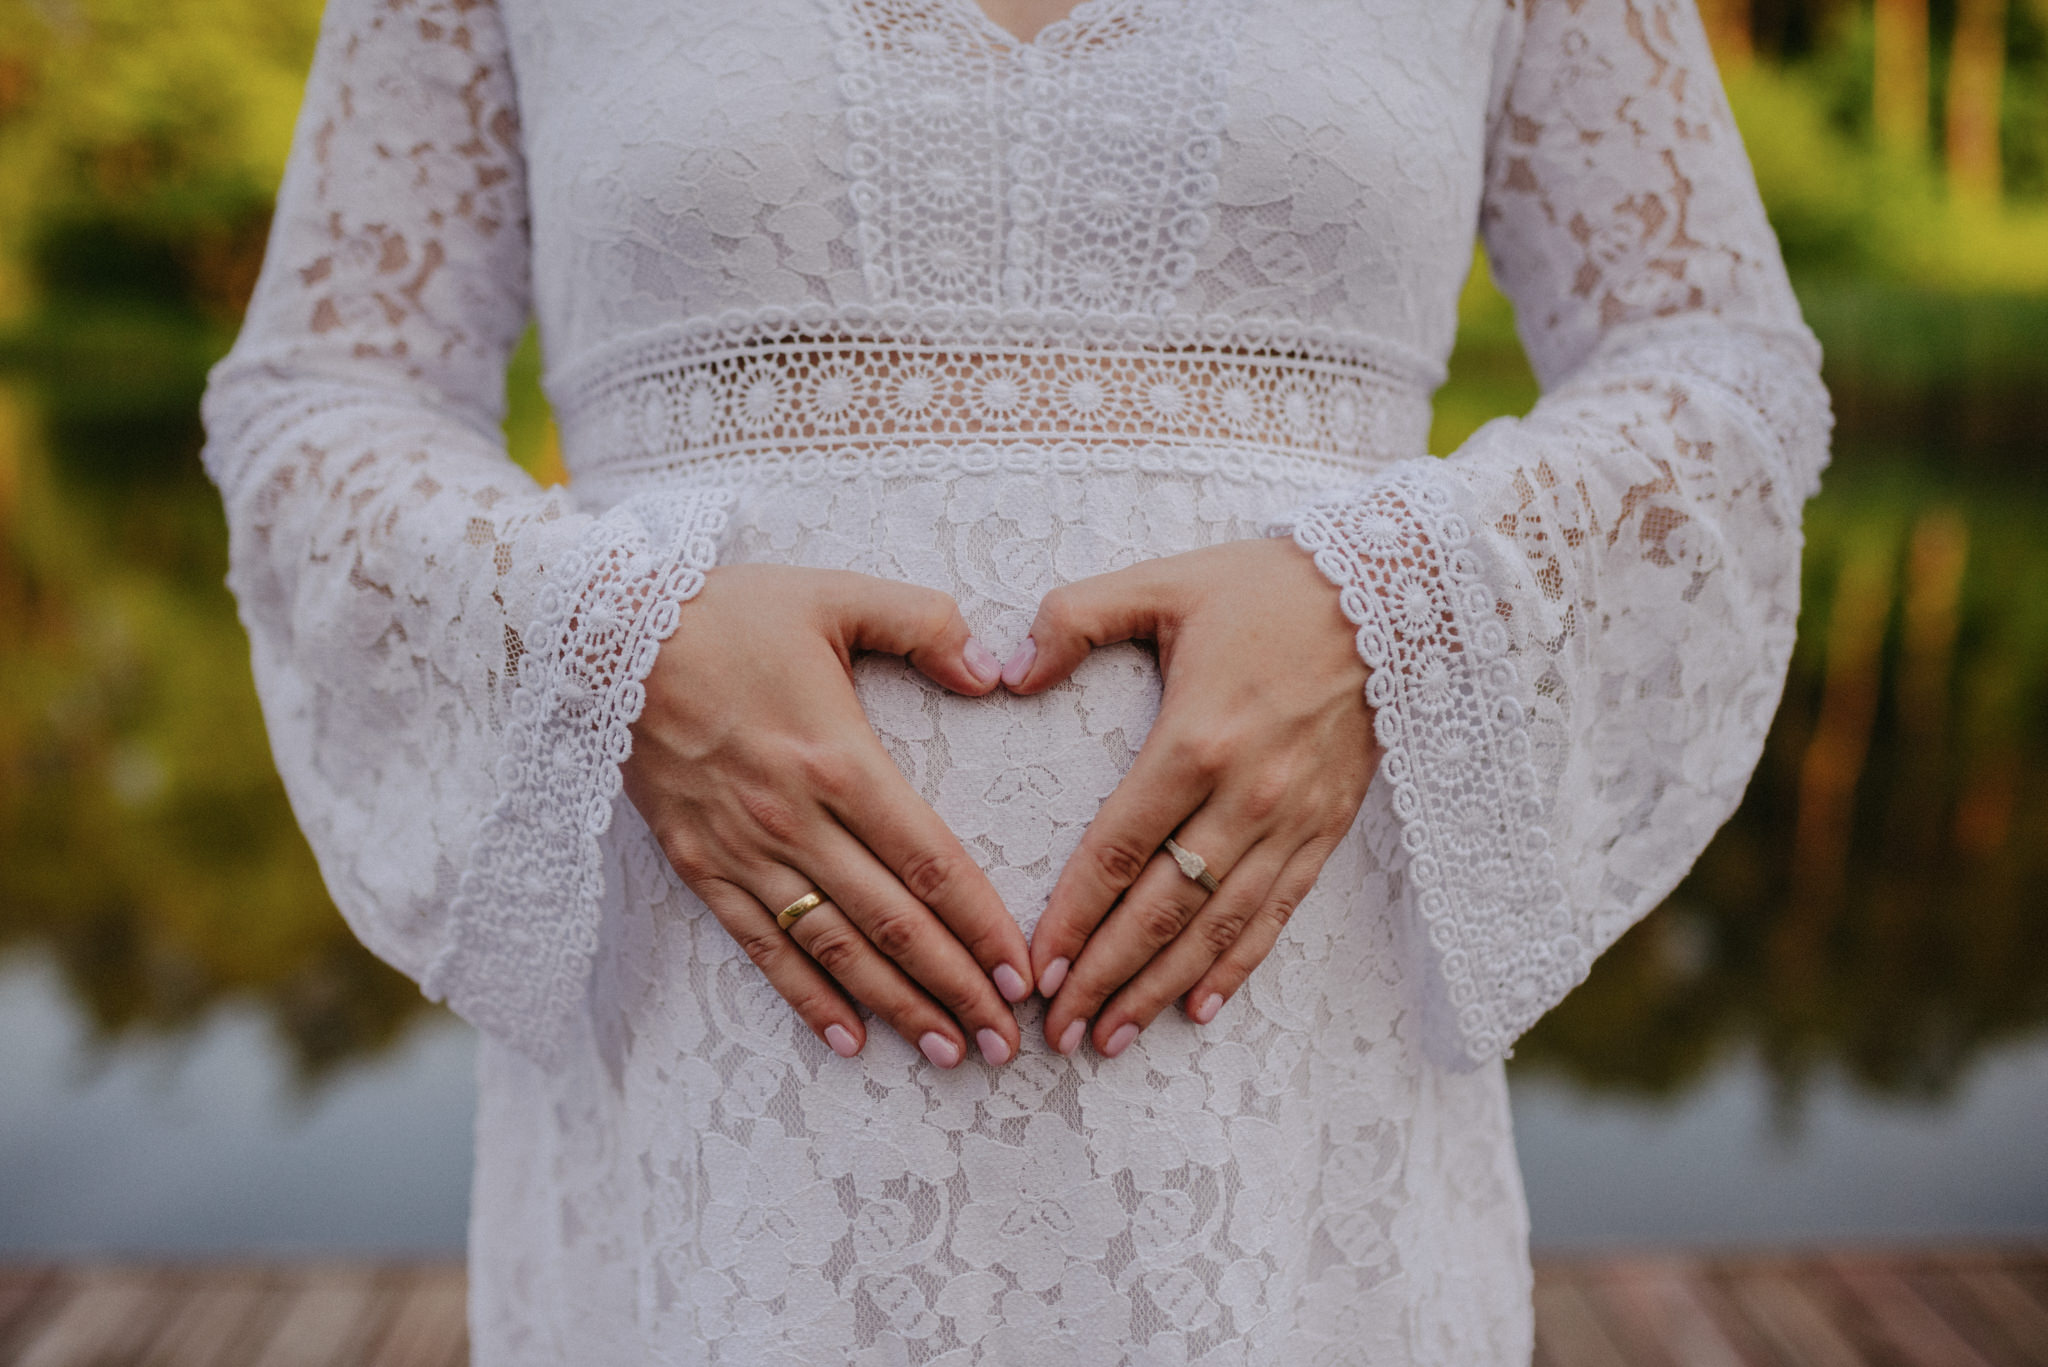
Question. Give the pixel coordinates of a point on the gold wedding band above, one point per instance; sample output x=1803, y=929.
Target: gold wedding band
x=1192, y=865
x=792, y=913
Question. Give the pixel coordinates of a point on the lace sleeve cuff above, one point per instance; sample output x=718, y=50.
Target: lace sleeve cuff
x=1449, y=712
x=523, y=924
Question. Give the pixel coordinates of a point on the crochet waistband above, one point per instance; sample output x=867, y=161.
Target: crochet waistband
x=682, y=404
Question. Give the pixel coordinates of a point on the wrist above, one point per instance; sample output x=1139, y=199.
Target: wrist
x=1318, y=601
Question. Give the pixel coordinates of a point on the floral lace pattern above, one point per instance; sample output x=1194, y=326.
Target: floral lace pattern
x=386, y=556
x=1287, y=1184
x=872, y=285
x=579, y=690
x=1561, y=755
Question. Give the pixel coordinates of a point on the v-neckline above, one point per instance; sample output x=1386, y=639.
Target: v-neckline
x=987, y=23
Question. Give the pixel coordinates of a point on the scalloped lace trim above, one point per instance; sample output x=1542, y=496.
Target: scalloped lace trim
x=523, y=924
x=1458, y=755
x=1309, y=472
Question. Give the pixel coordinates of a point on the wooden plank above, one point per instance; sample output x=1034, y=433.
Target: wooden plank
x=43, y=1294
x=430, y=1327
x=23, y=1291
x=1715, y=1295
x=1625, y=1320
x=1904, y=1321
x=1548, y=1275
x=1865, y=1330
x=1654, y=1312
x=222, y=1318
x=1979, y=1290
x=19, y=1287
x=2005, y=1303
x=1568, y=1330
x=1934, y=1308
x=1798, y=1329
x=107, y=1318
x=331, y=1318
x=1946, y=1291
x=2031, y=1275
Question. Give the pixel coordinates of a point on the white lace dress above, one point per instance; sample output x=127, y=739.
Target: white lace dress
x=871, y=284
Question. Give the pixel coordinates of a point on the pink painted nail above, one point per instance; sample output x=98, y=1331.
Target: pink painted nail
x=1121, y=1040
x=1010, y=983
x=939, y=1049
x=993, y=1050
x=1020, y=663
x=1071, y=1039
x=842, y=1041
x=981, y=662
x=1055, y=974
x=1206, y=1012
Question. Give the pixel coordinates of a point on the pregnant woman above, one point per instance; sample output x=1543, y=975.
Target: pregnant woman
x=1010, y=812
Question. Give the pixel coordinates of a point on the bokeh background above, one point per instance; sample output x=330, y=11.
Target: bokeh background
x=1836, y=1028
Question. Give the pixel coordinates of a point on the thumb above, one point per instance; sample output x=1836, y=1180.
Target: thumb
x=922, y=625
x=1076, y=618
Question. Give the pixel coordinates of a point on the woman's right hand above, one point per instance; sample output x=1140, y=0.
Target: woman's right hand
x=756, y=769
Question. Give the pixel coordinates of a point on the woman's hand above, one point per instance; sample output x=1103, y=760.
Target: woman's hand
x=757, y=771
x=1258, y=762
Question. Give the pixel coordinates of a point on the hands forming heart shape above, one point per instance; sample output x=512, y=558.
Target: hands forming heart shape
x=756, y=768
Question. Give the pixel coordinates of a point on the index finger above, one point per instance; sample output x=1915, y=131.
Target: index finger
x=902, y=831
x=1074, y=619
x=1164, y=786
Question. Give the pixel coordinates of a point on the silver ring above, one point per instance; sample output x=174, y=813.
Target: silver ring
x=1192, y=865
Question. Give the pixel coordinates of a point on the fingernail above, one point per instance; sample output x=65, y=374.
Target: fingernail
x=1071, y=1039
x=1121, y=1040
x=1206, y=1012
x=1010, y=983
x=1020, y=663
x=939, y=1049
x=982, y=662
x=1055, y=974
x=842, y=1041
x=993, y=1048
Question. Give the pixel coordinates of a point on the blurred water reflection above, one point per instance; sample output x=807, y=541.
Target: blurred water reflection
x=144, y=837
x=1874, y=908
x=1712, y=1166
x=1877, y=904
x=202, y=1146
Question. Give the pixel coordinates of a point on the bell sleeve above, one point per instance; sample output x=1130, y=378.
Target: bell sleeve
x=1578, y=624
x=448, y=656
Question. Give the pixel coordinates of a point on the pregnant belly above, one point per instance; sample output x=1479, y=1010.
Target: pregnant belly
x=1018, y=779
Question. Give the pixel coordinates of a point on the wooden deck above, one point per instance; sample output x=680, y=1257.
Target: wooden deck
x=1917, y=1309
x=1910, y=1309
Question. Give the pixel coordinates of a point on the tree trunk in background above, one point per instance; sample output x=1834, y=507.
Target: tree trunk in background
x=1901, y=77
x=1976, y=85
x=1727, y=24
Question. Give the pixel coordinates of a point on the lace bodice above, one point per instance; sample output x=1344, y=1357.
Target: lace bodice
x=871, y=283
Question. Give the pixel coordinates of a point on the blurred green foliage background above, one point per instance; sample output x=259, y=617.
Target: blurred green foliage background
x=1877, y=904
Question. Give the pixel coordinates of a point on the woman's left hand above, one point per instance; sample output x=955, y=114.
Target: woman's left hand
x=1258, y=762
